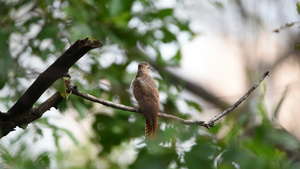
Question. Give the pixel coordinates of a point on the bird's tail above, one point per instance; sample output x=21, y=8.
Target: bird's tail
x=151, y=128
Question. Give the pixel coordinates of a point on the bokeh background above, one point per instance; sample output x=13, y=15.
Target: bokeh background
x=205, y=55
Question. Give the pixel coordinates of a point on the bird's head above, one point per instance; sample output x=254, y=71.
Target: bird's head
x=144, y=67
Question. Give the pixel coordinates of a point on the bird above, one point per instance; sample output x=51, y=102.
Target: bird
x=146, y=93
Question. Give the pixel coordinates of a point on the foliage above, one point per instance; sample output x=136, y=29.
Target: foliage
x=132, y=31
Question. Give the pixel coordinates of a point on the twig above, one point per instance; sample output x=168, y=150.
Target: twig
x=127, y=108
x=211, y=122
x=102, y=101
x=188, y=122
x=208, y=124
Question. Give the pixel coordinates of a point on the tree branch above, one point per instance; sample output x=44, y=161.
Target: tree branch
x=36, y=112
x=127, y=108
x=211, y=122
x=207, y=124
x=22, y=113
x=50, y=75
x=31, y=115
x=102, y=101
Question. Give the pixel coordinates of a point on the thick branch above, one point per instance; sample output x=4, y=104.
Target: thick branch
x=22, y=113
x=208, y=124
x=50, y=75
x=31, y=115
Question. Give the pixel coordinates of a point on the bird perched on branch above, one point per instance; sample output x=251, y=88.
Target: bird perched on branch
x=146, y=93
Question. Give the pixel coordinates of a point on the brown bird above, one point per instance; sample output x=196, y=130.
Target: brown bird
x=146, y=93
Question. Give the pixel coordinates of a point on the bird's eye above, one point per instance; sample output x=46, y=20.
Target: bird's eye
x=148, y=67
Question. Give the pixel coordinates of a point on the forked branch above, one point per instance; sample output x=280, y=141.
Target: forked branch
x=23, y=112
x=206, y=124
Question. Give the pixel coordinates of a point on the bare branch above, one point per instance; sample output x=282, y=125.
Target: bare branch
x=50, y=75
x=211, y=122
x=102, y=101
x=31, y=115
x=34, y=113
x=188, y=122
x=22, y=113
x=208, y=124
x=128, y=108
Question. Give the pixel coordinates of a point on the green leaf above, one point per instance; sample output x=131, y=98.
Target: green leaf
x=80, y=31
x=43, y=160
x=71, y=136
x=168, y=36
x=194, y=105
x=175, y=61
x=165, y=12
x=64, y=87
x=200, y=155
x=50, y=30
x=280, y=103
x=219, y=5
x=161, y=158
x=56, y=138
x=297, y=46
x=289, y=24
x=115, y=7
x=298, y=8
x=284, y=139
x=80, y=107
x=261, y=105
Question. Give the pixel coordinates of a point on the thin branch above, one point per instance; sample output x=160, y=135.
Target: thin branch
x=208, y=124
x=184, y=121
x=128, y=108
x=211, y=122
x=102, y=101
x=34, y=113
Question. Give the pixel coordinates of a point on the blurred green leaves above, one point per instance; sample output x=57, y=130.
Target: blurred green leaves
x=21, y=159
x=201, y=155
x=132, y=31
x=160, y=159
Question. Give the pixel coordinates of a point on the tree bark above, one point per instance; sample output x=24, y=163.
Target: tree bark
x=57, y=70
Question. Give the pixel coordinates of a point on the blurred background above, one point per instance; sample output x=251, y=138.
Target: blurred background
x=205, y=55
